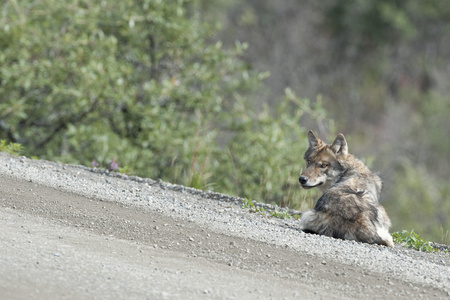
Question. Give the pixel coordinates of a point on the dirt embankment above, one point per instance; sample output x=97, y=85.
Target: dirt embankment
x=68, y=233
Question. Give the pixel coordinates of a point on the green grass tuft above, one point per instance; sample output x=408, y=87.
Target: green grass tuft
x=412, y=240
x=248, y=203
x=280, y=215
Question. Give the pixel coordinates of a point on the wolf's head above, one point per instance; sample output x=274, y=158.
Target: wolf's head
x=322, y=162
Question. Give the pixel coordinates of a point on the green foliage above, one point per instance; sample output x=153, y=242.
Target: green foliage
x=280, y=215
x=264, y=157
x=434, y=117
x=10, y=148
x=199, y=172
x=412, y=240
x=135, y=80
x=381, y=22
x=416, y=200
x=250, y=205
x=377, y=20
x=247, y=203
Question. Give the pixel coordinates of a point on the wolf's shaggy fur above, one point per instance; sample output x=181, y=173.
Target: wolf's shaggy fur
x=349, y=207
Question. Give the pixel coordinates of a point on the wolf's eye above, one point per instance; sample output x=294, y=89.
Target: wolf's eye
x=324, y=165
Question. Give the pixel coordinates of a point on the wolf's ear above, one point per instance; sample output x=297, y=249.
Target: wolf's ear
x=313, y=139
x=339, y=145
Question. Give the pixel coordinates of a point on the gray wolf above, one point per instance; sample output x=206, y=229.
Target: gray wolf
x=349, y=207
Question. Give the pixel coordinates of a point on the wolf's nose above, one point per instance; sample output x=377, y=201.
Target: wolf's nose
x=302, y=180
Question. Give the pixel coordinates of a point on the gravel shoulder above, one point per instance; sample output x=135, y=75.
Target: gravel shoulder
x=69, y=232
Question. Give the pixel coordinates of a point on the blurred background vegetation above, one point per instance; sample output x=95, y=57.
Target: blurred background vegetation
x=220, y=94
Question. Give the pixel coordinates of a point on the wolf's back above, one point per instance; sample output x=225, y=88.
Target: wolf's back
x=349, y=207
x=349, y=213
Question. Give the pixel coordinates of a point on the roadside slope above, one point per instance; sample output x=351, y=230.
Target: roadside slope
x=70, y=233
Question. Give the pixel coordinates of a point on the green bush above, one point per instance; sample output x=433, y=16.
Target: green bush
x=136, y=84
x=133, y=81
x=10, y=148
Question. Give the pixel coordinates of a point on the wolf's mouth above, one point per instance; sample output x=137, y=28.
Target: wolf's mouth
x=307, y=187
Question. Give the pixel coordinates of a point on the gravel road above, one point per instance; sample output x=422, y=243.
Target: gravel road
x=71, y=232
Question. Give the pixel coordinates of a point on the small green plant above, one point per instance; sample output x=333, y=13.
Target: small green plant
x=247, y=204
x=412, y=240
x=280, y=214
x=125, y=170
x=260, y=210
x=10, y=148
